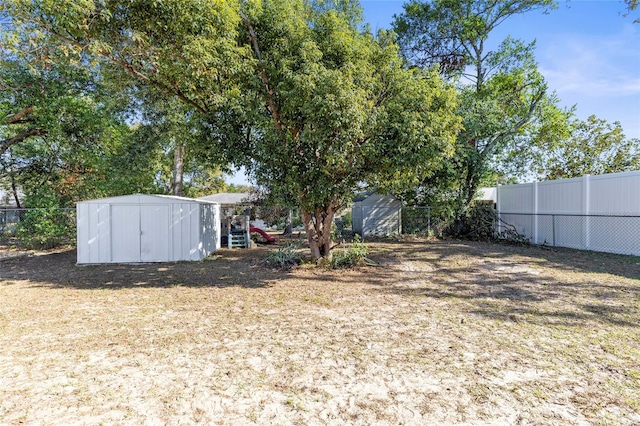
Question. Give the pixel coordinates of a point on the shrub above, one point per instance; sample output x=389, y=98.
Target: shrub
x=284, y=257
x=347, y=220
x=354, y=255
x=45, y=228
x=46, y=225
x=479, y=224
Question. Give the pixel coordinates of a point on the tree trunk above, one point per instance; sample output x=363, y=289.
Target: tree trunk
x=7, y=143
x=317, y=223
x=288, y=228
x=14, y=190
x=178, y=170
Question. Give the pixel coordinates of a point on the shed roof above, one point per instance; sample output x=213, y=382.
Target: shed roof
x=146, y=198
x=363, y=196
x=374, y=197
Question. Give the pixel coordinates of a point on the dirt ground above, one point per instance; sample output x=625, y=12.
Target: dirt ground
x=441, y=332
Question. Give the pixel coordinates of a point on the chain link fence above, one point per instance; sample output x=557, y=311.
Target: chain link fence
x=389, y=221
x=44, y=228
x=606, y=233
x=424, y=220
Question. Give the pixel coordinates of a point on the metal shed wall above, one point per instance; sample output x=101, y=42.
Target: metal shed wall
x=377, y=215
x=146, y=228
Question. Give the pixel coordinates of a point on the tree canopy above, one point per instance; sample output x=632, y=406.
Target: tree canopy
x=594, y=147
x=343, y=112
x=504, y=100
x=60, y=124
x=313, y=107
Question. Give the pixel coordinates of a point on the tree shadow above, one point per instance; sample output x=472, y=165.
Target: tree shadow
x=557, y=257
x=523, y=283
x=493, y=280
x=226, y=268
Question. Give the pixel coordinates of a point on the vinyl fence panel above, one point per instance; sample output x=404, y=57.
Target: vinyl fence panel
x=599, y=213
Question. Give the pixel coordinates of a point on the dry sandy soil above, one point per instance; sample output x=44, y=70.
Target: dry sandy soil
x=441, y=332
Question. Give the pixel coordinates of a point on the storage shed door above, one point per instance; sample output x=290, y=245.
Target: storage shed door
x=139, y=233
x=125, y=233
x=154, y=233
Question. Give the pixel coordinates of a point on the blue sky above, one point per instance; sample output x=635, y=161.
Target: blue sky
x=588, y=52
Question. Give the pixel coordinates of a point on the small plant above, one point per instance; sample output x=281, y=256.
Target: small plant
x=336, y=230
x=354, y=255
x=347, y=220
x=46, y=225
x=284, y=257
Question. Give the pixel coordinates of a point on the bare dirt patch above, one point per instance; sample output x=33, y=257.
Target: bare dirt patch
x=440, y=332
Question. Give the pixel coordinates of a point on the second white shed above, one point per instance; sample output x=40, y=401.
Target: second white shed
x=146, y=228
x=377, y=215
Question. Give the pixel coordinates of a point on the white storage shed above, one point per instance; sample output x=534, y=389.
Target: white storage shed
x=377, y=215
x=146, y=228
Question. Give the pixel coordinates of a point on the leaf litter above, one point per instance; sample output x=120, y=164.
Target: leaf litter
x=441, y=332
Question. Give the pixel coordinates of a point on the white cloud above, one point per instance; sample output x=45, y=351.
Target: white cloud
x=591, y=66
x=598, y=73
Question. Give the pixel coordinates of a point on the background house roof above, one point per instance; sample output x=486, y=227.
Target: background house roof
x=229, y=198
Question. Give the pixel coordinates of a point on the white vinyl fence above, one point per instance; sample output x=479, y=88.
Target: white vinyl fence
x=600, y=213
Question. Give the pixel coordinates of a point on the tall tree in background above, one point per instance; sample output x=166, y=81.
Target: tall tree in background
x=292, y=90
x=594, y=147
x=62, y=124
x=59, y=125
x=183, y=163
x=503, y=95
x=185, y=49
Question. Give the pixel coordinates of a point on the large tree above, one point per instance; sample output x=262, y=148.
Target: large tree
x=57, y=128
x=62, y=123
x=593, y=147
x=182, y=163
x=292, y=90
x=503, y=95
x=343, y=112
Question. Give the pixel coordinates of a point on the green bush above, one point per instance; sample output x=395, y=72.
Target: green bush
x=45, y=228
x=347, y=220
x=46, y=225
x=353, y=255
x=284, y=257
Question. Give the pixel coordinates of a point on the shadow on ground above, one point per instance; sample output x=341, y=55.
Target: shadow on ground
x=502, y=282
x=560, y=287
x=224, y=269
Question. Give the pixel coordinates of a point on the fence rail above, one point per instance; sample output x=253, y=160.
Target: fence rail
x=607, y=233
x=599, y=232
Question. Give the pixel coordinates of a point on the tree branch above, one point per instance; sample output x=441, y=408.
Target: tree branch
x=19, y=117
x=7, y=143
x=524, y=120
x=130, y=69
x=273, y=109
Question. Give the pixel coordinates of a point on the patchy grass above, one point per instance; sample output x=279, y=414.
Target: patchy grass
x=440, y=332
